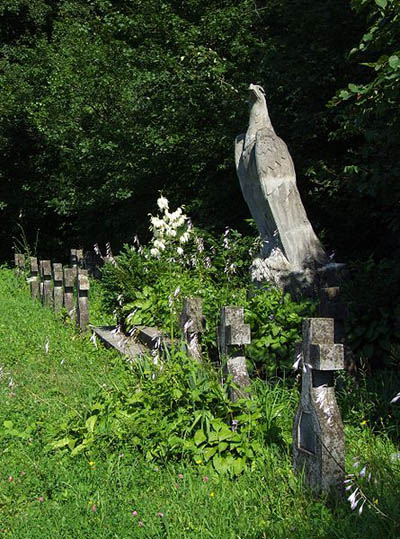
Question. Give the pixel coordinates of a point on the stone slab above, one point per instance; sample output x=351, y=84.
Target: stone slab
x=127, y=346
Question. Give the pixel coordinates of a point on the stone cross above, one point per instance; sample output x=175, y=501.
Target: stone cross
x=233, y=335
x=34, y=279
x=318, y=435
x=192, y=324
x=82, y=310
x=45, y=283
x=69, y=283
x=58, y=286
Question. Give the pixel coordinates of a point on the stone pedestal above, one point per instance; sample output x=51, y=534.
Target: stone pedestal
x=233, y=335
x=192, y=324
x=34, y=278
x=82, y=310
x=45, y=283
x=318, y=435
x=69, y=283
x=58, y=294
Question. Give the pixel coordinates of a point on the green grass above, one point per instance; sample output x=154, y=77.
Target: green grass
x=49, y=372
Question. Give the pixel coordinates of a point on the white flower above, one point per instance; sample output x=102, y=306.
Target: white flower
x=155, y=252
x=353, y=499
x=395, y=399
x=188, y=324
x=296, y=364
x=175, y=215
x=156, y=222
x=185, y=237
x=163, y=203
x=179, y=250
x=180, y=221
x=170, y=232
x=160, y=245
x=200, y=244
x=177, y=290
x=93, y=340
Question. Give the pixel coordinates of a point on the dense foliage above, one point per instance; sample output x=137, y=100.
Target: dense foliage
x=104, y=102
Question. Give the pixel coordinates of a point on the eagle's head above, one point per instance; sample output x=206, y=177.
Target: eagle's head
x=258, y=109
x=256, y=93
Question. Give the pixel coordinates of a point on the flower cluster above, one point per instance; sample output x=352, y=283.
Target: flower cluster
x=170, y=231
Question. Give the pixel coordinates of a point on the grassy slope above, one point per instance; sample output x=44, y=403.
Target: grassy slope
x=39, y=388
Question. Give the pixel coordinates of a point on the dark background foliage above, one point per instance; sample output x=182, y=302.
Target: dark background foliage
x=104, y=103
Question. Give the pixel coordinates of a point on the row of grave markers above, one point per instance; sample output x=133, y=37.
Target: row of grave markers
x=54, y=285
x=318, y=434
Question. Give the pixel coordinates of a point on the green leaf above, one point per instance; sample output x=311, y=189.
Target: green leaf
x=62, y=443
x=78, y=449
x=209, y=452
x=222, y=446
x=90, y=423
x=238, y=465
x=199, y=437
x=225, y=434
x=394, y=61
x=8, y=424
x=213, y=437
x=353, y=88
x=220, y=464
x=381, y=3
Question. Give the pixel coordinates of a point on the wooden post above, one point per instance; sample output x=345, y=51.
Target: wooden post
x=34, y=279
x=192, y=324
x=82, y=311
x=69, y=283
x=318, y=434
x=58, y=286
x=47, y=297
x=233, y=335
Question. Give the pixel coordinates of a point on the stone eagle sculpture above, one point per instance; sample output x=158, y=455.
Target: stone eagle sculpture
x=268, y=182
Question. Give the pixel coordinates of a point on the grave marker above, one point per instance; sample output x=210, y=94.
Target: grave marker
x=34, y=279
x=69, y=283
x=192, y=324
x=46, y=284
x=318, y=435
x=19, y=263
x=58, y=294
x=233, y=335
x=82, y=310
